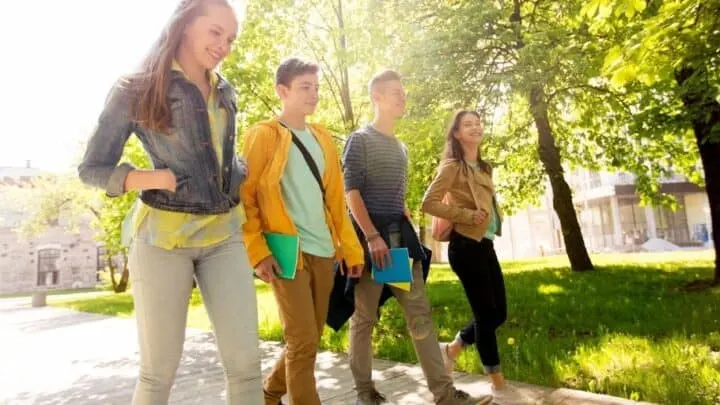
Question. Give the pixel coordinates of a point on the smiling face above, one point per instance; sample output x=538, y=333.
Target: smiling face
x=301, y=95
x=469, y=131
x=208, y=38
x=297, y=85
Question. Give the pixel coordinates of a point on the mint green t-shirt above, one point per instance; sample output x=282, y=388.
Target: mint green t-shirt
x=303, y=197
x=493, y=226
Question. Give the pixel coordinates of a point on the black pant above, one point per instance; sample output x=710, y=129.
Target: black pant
x=478, y=269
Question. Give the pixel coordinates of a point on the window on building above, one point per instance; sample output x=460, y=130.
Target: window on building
x=606, y=224
x=633, y=221
x=598, y=226
x=48, y=272
x=672, y=225
x=101, y=260
x=625, y=178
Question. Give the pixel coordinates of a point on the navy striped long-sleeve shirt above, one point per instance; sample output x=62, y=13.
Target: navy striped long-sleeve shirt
x=376, y=165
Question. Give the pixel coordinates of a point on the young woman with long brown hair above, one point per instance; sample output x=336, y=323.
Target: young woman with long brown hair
x=187, y=223
x=466, y=180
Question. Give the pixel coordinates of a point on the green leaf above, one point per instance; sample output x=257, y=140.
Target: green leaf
x=646, y=79
x=639, y=5
x=613, y=58
x=604, y=11
x=629, y=12
x=629, y=9
x=624, y=75
x=590, y=9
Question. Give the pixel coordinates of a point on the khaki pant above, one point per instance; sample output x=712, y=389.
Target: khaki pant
x=162, y=283
x=418, y=317
x=303, y=305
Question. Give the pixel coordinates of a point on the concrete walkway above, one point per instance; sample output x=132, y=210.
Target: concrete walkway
x=56, y=356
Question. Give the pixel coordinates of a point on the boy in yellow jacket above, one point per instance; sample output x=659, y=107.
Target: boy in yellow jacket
x=295, y=187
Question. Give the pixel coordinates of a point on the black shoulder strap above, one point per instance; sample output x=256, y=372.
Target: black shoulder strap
x=308, y=159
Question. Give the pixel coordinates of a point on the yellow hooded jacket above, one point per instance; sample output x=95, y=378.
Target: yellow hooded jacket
x=266, y=148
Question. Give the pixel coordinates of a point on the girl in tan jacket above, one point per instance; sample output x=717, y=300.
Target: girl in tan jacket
x=463, y=193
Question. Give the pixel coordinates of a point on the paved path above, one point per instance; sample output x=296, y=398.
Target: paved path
x=57, y=357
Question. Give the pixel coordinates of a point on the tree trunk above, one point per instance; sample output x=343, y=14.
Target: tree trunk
x=562, y=195
x=348, y=114
x=124, y=278
x=550, y=157
x=110, y=266
x=704, y=113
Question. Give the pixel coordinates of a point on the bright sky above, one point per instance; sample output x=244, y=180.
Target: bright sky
x=60, y=58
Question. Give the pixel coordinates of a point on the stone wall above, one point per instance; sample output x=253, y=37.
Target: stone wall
x=59, y=259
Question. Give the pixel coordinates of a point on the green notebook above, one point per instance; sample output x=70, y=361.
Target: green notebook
x=285, y=249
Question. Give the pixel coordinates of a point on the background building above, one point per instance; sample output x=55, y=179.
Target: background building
x=610, y=216
x=56, y=259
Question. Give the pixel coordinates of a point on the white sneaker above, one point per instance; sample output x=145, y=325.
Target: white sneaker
x=447, y=360
x=509, y=394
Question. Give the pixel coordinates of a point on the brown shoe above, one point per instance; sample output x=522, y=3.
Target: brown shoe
x=371, y=398
x=463, y=398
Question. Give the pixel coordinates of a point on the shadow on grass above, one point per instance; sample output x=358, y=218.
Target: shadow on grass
x=576, y=329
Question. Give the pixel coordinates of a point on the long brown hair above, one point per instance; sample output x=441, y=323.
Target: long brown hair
x=453, y=149
x=151, y=83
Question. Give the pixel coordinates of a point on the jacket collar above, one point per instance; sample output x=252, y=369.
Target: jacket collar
x=218, y=81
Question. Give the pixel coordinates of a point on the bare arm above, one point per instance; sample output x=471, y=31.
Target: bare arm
x=150, y=179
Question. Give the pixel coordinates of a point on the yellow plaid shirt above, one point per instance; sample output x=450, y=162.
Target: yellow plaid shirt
x=170, y=230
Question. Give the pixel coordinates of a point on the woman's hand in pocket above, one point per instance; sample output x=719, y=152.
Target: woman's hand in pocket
x=480, y=216
x=161, y=179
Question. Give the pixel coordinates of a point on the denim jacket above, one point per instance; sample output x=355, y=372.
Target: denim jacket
x=187, y=150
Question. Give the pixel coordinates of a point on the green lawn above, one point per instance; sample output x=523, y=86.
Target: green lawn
x=626, y=329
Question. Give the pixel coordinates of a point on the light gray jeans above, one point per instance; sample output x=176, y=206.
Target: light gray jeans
x=162, y=282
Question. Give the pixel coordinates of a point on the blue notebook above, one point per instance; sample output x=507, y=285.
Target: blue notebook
x=398, y=271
